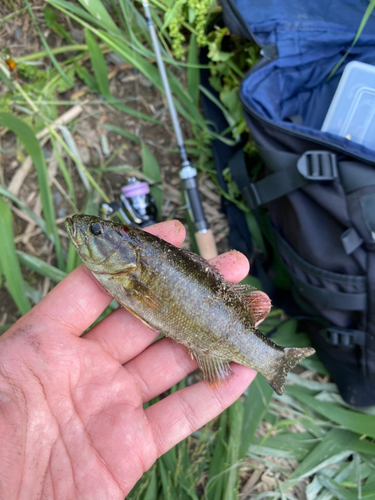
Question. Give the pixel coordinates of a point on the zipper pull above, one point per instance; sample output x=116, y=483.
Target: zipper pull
x=269, y=52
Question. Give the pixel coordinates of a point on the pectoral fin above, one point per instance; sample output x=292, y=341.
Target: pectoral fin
x=143, y=294
x=216, y=371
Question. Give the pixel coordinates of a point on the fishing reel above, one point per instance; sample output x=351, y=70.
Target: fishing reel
x=136, y=206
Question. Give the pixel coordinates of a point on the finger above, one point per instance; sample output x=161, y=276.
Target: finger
x=76, y=302
x=172, y=231
x=183, y=412
x=125, y=337
x=159, y=367
x=234, y=266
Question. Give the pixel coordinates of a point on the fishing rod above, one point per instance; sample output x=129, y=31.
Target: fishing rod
x=188, y=174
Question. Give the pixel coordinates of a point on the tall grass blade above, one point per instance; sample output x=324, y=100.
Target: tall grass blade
x=169, y=491
x=236, y=415
x=151, y=492
x=34, y=295
x=32, y=146
x=64, y=171
x=336, y=441
x=73, y=259
x=75, y=10
x=100, y=13
x=9, y=261
x=257, y=399
x=4, y=78
x=98, y=64
x=184, y=103
x=293, y=446
x=215, y=483
x=121, y=131
x=68, y=82
x=193, y=74
x=354, y=421
x=362, y=24
x=336, y=489
x=68, y=138
x=38, y=220
x=41, y=267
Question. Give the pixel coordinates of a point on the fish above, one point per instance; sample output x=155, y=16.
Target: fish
x=180, y=294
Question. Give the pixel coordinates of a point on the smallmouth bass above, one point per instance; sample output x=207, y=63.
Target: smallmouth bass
x=183, y=296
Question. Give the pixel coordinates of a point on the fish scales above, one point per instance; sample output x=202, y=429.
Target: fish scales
x=181, y=295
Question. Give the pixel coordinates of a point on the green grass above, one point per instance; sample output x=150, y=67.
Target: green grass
x=331, y=445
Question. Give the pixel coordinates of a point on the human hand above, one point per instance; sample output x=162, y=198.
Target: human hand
x=72, y=423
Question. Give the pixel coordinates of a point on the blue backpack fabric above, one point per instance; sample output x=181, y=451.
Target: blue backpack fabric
x=319, y=189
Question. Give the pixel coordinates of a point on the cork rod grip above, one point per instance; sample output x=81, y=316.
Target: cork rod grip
x=206, y=244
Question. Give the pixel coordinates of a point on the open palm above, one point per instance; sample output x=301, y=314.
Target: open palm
x=72, y=423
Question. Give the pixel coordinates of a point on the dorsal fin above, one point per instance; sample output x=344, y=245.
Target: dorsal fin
x=258, y=304
x=206, y=266
x=237, y=287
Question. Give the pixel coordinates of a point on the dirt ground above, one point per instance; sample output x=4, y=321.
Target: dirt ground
x=18, y=34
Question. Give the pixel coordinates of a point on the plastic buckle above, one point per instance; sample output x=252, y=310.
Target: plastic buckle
x=343, y=337
x=318, y=166
x=252, y=196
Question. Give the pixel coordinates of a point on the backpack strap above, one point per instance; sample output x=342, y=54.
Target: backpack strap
x=293, y=171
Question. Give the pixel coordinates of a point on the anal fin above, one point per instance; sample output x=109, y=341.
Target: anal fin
x=216, y=371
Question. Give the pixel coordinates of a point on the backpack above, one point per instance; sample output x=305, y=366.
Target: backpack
x=318, y=188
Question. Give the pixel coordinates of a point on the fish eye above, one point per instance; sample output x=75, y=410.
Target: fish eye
x=96, y=229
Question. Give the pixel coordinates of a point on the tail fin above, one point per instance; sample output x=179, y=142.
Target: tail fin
x=292, y=356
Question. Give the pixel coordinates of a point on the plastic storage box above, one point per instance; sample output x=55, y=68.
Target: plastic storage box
x=352, y=110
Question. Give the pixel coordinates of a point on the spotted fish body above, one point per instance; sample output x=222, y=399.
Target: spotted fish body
x=181, y=295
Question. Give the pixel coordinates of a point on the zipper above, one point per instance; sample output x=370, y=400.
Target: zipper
x=311, y=138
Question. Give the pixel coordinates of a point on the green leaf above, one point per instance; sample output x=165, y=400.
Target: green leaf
x=285, y=445
x=236, y=416
x=100, y=14
x=52, y=23
x=98, y=64
x=9, y=261
x=215, y=484
x=4, y=78
x=32, y=146
x=354, y=421
x=151, y=492
x=73, y=259
x=38, y=220
x=47, y=47
x=121, y=131
x=336, y=489
x=169, y=491
x=41, y=267
x=184, y=102
x=150, y=166
x=193, y=74
x=336, y=441
x=84, y=74
x=258, y=397
x=76, y=10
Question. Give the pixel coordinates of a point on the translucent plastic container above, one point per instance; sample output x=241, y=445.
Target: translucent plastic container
x=352, y=110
